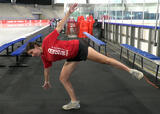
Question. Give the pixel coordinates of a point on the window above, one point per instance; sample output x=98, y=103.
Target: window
x=141, y=1
x=104, y=1
x=70, y=1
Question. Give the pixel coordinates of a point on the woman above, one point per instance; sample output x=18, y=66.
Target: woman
x=74, y=51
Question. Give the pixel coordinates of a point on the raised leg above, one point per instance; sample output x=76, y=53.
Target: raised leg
x=100, y=58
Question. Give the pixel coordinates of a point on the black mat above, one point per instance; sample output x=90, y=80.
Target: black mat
x=101, y=89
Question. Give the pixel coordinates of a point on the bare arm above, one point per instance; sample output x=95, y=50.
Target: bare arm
x=46, y=74
x=63, y=21
x=47, y=84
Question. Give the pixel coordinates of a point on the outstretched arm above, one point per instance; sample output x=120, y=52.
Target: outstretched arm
x=63, y=21
x=46, y=78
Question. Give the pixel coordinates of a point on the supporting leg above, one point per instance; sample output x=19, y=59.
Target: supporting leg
x=22, y=42
x=99, y=48
x=67, y=69
x=121, y=52
x=105, y=49
x=93, y=44
x=134, y=57
x=7, y=52
x=142, y=62
x=128, y=54
x=17, y=59
x=40, y=39
x=18, y=63
x=12, y=47
x=88, y=41
x=157, y=72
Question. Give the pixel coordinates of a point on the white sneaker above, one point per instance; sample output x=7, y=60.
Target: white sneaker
x=136, y=73
x=71, y=105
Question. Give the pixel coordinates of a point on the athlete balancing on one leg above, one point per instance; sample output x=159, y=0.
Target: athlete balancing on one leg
x=73, y=51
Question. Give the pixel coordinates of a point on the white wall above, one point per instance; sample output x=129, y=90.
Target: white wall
x=20, y=11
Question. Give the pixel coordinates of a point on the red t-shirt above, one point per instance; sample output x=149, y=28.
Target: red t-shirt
x=54, y=49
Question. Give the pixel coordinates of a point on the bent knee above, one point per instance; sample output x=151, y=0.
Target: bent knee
x=63, y=79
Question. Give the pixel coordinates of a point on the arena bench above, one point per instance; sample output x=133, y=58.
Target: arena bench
x=97, y=41
x=6, y=46
x=142, y=54
x=21, y=49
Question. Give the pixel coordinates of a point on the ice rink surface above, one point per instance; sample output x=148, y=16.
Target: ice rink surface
x=11, y=32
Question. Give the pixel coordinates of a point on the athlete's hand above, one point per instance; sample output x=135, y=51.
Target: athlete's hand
x=73, y=8
x=46, y=85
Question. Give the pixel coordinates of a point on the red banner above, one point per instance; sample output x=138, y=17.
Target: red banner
x=22, y=21
x=19, y=23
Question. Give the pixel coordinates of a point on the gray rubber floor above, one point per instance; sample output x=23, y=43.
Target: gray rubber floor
x=101, y=89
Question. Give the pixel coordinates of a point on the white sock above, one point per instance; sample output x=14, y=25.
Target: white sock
x=74, y=101
x=131, y=71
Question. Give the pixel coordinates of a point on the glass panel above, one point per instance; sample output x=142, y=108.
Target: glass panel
x=104, y=1
x=151, y=1
x=119, y=15
x=137, y=15
x=141, y=1
x=127, y=15
x=144, y=46
x=70, y=1
x=98, y=1
x=59, y=1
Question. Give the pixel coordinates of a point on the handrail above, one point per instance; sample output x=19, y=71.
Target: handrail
x=132, y=25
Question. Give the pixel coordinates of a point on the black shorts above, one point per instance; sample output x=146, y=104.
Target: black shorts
x=82, y=52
